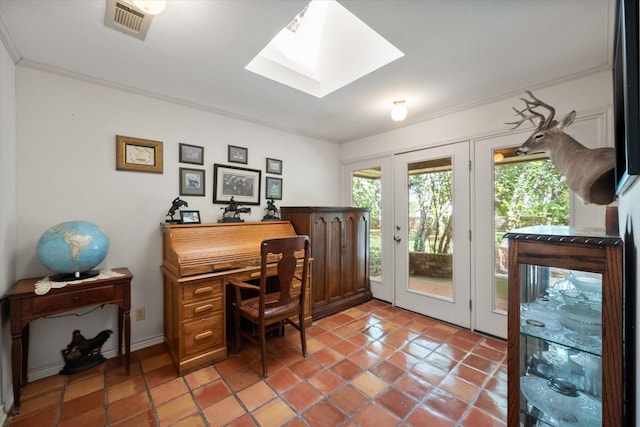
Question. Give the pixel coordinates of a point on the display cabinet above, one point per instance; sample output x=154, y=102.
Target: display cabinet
x=566, y=363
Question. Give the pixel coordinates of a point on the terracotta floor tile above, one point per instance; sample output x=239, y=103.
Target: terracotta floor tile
x=146, y=418
x=369, y=384
x=274, y=413
x=201, y=377
x=223, y=412
x=176, y=409
x=155, y=362
x=324, y=414
x=349, y=399
x=256, y=395
x=301, y=396
x=459, y=388
x=128, y=407
x=492, y=404
x=283, y=380
x=476, y=417
x=125, y=389
x=83, y=387
x=387, y=371
x=306, y=368
x=373, y=364
x=211, y=393
x=413, y=386
x=168, y=391
x=84, y=419
x=346, y=369
x=376, y=415
x=397, y=402
x=87, y=403
x=243, y=378
x=160, y=375
x=326, y=381
x=425, y=416
x=52, y=383
x=446, y=404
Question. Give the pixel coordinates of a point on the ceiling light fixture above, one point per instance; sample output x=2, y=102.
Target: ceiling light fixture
x=399, y=111
x=152, y=7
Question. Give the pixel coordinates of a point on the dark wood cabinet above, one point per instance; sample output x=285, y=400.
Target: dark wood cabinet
x=340, y=250
x=569, y=349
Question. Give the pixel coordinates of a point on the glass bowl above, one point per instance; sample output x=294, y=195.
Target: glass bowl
x=582, y=299
x=586, y=282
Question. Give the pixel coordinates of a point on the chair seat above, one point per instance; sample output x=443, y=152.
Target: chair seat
x=250, y=308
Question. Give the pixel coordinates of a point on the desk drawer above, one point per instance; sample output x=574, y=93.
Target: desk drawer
x=201, y=290
x=202, y=309
x=203, y=335
x=57, y=303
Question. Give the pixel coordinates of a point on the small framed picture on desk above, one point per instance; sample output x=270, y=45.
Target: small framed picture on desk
x=190, y=217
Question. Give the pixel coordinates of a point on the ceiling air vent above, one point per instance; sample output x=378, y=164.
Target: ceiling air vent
x=125, y=17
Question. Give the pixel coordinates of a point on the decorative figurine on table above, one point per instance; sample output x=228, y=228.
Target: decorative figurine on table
x=175, y=205
x=232, y=212
x=82, y=353
x=273, y=214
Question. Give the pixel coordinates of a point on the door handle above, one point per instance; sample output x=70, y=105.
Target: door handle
x=398, y=239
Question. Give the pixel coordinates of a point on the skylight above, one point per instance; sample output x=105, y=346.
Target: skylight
x=325, y=47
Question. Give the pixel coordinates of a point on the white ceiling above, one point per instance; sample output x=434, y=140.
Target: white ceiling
x=457, y=53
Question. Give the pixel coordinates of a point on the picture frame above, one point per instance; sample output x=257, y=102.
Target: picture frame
x=240, y=183
x=190, y=217
x=238, y=154
x=191, y=154
x=274, y=166
x=138, y=155
x=626, y=95
x=192, y=182
x=273, y=188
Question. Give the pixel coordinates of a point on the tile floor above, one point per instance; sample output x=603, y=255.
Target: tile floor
x=370, y=365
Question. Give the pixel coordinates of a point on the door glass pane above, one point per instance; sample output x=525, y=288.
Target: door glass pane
x=430, y=222
x=528, y=191
x=366, y=192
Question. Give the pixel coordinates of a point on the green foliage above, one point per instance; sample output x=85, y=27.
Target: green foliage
x=530, y=193
x=431, y=196
x=367, y=193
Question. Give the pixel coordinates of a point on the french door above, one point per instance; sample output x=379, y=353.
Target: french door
x=432, y=232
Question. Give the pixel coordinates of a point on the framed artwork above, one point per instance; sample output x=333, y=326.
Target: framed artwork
x=238, y=154
x=240, y=183
x=191, y=154
x=140, y=155
x=274, y=166
x=191, y=182
x=274, y=188
x=626, y=95
x=190, y=217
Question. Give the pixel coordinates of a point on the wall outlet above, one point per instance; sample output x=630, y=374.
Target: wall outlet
x=140, y=313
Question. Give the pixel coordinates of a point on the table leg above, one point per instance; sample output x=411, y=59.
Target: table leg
x=120, y=320
x=16, y=370
x=25, y=352
x=127, y=341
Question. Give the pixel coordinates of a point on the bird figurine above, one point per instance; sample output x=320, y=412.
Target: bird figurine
x=87, y=346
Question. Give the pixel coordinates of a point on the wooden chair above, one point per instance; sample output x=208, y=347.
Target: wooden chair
x=279, y=307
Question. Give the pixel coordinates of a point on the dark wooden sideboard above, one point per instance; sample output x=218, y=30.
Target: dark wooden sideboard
x=340, y=250
x=25, y=306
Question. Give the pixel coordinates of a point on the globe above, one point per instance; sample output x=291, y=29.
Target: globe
x=72, y=249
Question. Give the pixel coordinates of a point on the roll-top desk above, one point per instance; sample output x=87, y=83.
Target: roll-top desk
x=198, y=260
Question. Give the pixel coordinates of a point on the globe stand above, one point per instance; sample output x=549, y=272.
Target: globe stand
x=70, y=277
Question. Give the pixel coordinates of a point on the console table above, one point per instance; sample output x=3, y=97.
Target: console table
x=25, y=306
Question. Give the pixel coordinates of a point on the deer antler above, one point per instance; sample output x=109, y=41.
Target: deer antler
x=543, y=123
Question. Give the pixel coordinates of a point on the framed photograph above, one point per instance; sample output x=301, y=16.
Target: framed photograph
x=626, y=95
x=191, y=154
x=140, y=155
x=274, y=188
x=240, y=183
x=238, y=154
x=191, y=182
x=274, y=166
x=190, y=217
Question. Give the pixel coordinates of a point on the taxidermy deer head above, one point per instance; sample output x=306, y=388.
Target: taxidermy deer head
x=589, y=172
